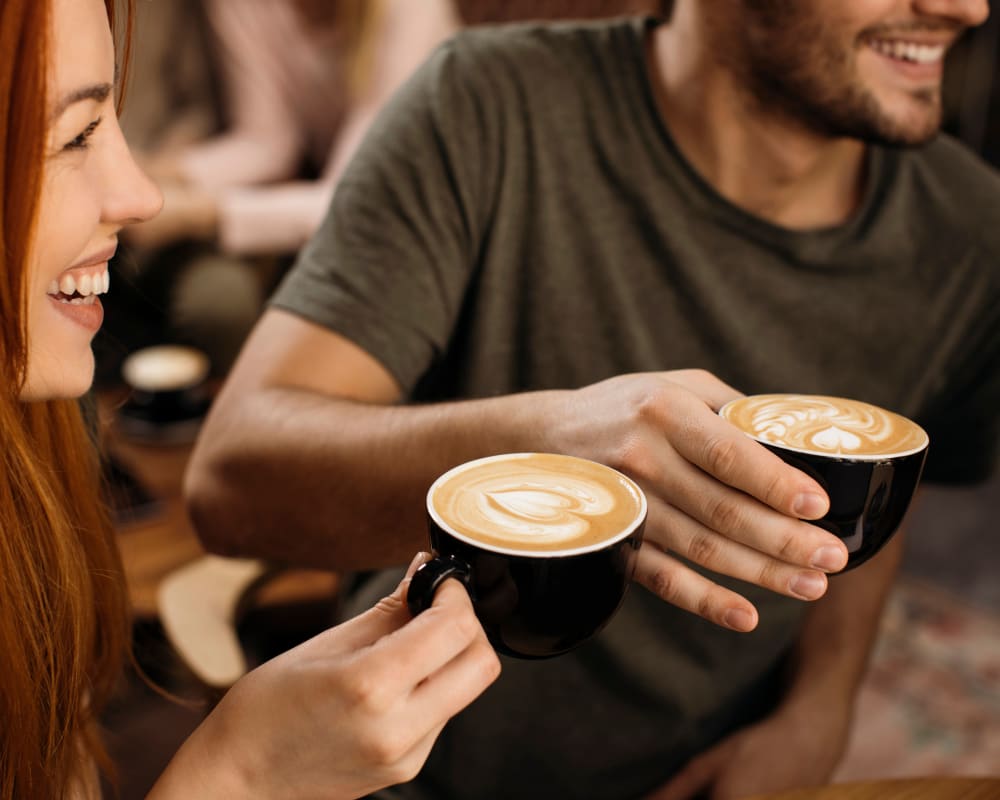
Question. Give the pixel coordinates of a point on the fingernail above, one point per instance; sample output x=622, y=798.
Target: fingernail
x=807, y=585
x=739, y=620
x=420, y=558
x=810, y=505
x=829, y=559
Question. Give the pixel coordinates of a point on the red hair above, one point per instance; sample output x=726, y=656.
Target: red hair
x=64, y=622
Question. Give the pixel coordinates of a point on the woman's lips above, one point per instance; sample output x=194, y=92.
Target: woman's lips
x=75, y=294
x=88, y=312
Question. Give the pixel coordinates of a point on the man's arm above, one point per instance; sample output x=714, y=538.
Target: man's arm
x=803, y=740
x=307, y=457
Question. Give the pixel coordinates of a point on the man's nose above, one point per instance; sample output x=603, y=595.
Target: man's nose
x=969, y=13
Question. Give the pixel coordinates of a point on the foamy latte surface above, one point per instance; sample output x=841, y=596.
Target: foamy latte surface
x=165, y=368
x=536, y=501
x=825, y=425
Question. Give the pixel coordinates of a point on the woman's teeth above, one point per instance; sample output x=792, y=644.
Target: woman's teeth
x=80, y=289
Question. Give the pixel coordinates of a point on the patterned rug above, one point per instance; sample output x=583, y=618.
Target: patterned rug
x=930, y=704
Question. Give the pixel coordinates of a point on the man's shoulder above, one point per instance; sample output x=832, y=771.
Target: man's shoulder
x=525, y=47
x=955, y=184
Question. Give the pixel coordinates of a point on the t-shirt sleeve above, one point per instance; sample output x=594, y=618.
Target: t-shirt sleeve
x=389, y=266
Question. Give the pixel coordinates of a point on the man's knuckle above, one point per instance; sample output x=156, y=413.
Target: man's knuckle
x=721, y=456
x=774, y=491
x=704, y=607
x=663, y=583
x=725, y=515
x=636, y=457
x=768, y=576
x=789, y=547
x=702, y=548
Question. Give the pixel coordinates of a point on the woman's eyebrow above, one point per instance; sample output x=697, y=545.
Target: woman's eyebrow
x=98, y=92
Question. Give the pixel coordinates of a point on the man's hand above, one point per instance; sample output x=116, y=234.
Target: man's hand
x=785, y=751
x=716, y=497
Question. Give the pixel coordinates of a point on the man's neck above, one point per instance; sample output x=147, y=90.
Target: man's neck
x=766, y=163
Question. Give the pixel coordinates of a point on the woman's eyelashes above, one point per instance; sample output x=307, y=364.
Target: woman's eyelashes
x=80, y=141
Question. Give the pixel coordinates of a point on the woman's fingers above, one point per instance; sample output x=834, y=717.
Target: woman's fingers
x=388, y=615
x=413, y=653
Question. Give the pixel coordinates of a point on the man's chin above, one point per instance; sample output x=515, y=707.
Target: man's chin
x=916, y=122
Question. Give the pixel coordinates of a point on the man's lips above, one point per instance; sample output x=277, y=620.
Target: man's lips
x=915, y=57
x=909, y=51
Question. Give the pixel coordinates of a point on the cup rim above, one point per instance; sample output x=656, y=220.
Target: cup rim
x=640, y=517
x=858, y=457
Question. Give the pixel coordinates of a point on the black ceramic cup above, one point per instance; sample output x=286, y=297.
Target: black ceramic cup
x=168, y=392
x=867, y=460
x=563, y=572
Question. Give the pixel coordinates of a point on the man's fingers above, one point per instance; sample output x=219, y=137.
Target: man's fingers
x=698, y=774
x=746, y=520
x=681, y=586
x=712, y=390
x=729, y=455
x=675, y=532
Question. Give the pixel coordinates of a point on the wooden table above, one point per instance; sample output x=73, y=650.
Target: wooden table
x=905, y=789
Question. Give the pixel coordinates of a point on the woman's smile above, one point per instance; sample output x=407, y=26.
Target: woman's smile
x=75, y=292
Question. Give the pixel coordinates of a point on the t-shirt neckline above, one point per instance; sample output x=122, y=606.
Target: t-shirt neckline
x=673, y=161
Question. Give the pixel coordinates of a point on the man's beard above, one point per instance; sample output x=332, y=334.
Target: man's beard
x=793, y=65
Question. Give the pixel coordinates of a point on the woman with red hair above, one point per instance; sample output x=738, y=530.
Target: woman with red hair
x=352, y=710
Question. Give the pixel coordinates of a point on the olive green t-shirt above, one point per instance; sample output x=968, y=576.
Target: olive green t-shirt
x=519, y=218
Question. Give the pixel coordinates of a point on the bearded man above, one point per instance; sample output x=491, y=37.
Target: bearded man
x=584, y=238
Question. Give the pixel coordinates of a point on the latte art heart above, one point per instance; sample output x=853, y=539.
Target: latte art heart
x=537, y=501
x=556, y=511
x=825, y=425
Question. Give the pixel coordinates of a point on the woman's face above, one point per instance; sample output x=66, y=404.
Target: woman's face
x=91, y=189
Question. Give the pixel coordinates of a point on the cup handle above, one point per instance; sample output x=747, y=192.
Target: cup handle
x=429, y=576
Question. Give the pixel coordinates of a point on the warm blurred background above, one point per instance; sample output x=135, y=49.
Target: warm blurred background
x=931, y=702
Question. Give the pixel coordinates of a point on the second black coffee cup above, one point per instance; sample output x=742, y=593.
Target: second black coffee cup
x=867, y=459
x=546, y=545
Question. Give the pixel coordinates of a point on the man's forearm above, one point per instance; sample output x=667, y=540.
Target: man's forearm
x=303, y=478
x=833, y=649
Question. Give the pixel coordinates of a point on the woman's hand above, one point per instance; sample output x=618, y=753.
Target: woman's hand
x=350, y=711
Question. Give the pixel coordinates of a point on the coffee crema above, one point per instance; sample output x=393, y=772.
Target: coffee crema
x=536, y=502
x=833, y=426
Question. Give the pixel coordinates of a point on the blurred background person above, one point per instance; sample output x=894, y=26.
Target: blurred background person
x=297, y=82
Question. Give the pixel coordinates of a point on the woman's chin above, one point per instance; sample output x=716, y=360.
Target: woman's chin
x=59, y=381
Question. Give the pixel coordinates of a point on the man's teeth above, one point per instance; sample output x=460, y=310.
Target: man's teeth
x=86, y=285
x=909, y=51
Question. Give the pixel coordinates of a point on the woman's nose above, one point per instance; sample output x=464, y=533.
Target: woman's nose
x=130, y=195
